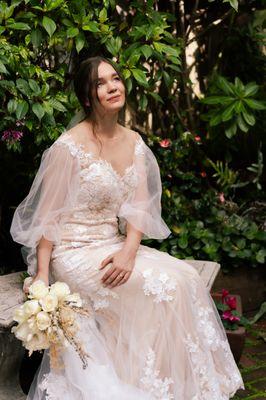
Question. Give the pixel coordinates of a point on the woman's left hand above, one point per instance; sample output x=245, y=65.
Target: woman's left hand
x=122, y=265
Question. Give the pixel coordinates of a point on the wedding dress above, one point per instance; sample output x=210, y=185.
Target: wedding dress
x=156, y=337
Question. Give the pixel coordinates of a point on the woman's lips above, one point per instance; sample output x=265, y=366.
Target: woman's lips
x=114, y=98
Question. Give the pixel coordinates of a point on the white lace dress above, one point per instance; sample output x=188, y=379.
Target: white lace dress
x=158, y=336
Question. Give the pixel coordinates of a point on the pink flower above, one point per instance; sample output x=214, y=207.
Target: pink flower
x=11, y=135
x=203, y=174
x=197, y=138
x=221, y=197
x=165, y=143
x=227, y=315
x=231, y=302
x=224, y=294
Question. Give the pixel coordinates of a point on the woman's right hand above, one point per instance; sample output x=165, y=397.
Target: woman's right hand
x=37, y=277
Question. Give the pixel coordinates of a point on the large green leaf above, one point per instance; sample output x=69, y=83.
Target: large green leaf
x=140, y=76
x=49, y=25
x=255, y=104
x=251, y=88
x=19, y=26
x=22, y=109
x=38, y=110
x=249, y=118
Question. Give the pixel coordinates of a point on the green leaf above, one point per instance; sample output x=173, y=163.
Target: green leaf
x=36, y=37
x=249, y=118
x=80, y=41
x=38, y=110
x=3, y=69
x=146, y=50
x=182, y=242
x=52, y=4
x=34, y=87
x=23, y=86
x=251, y=89
x=103, y=15
x=12, y=106
x=72, y=32
x=239, y=85
x=49, y=25
x=260, y=256
x=19, y=26
x=22, y=109
x=255, y=104
x=91, y=26
x=113, y=45
x=225, y=85
x=216, y=120
x=140, y=76
x=231, y=130
x=156, y=97
x=241, y=123
x=217, y=100
x=57, y=104
x=126, y=73
x=228, y=112
x=143, y=102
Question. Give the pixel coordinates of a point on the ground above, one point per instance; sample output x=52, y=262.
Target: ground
x=253, y=363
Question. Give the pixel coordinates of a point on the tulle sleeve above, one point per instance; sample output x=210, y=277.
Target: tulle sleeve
x=142, y=208
x=52, y=194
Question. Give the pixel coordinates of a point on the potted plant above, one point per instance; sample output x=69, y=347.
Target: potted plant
x=230, y=311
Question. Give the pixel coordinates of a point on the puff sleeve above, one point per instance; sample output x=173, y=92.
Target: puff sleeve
x=52, y=194
x=142, y=208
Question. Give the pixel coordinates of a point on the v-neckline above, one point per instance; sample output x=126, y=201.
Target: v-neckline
x=89, y=154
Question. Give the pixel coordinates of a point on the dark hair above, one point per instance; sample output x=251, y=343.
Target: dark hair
x=85, y=81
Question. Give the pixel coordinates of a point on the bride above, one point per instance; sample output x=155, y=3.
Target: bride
x=155, y=332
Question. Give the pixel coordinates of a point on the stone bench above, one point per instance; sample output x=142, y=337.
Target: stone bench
x=12, y=351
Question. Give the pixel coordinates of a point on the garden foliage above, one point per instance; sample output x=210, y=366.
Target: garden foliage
x=209, y=142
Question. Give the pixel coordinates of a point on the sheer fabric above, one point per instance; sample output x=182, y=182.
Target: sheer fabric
x=54, y=191
x=52, y=194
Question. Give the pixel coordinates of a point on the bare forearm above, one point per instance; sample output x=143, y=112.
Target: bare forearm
x=133, y=239
x=44, y=250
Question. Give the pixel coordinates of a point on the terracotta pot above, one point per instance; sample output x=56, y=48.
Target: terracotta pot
x=237, y=337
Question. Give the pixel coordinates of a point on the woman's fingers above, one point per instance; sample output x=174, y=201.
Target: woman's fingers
x=107, y=274
x=124, y=279
x=118, y=279
x=106, y=261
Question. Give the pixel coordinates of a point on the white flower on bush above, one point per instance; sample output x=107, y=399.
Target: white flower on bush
x=38, y=290
x=43, y=320
x=22, y=332
x=60, y=289
x=49, y=302
x=31, y=307
x=74, y=299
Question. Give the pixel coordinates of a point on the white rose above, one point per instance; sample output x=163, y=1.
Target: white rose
x=60, y=289
x=49, y=302
x=38, y=290
x=43, y=320
x=74, y=299
x=39, y=341
x=19, y=314
x=31, y=307
x=22, y=332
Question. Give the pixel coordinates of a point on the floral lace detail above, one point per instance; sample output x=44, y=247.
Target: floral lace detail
x=55, y=386
x=157, y=387
x=139, y=150
x=100, y=298
x=159, y=286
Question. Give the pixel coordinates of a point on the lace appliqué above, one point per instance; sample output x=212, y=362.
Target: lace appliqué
x=157, y=387
x=100, y=299
x=139, y=150
x=160, y=286
x=55, y=386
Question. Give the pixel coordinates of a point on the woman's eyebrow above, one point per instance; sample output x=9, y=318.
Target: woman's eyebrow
x=101, y=78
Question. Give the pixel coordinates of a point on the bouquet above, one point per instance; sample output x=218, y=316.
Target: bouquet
x=47, y=320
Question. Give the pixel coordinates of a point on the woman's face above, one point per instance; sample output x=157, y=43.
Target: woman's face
x=110, y=88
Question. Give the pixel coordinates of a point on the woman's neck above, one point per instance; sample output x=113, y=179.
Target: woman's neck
x=107, y=126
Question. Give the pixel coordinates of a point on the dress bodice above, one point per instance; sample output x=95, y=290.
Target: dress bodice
x=102, y=190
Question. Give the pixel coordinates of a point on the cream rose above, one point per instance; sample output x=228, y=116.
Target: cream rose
x=49, y=302
x=19, y=314
x=22, y=332
x=38, y=290
x=31, y=307
x=39, y=341
x=74, y=299
x=60, y=289
x=43, y=320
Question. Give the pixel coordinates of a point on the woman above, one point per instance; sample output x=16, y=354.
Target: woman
x=155, y=332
